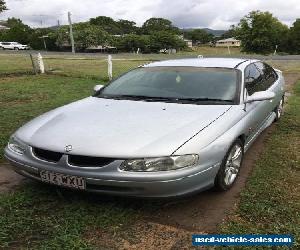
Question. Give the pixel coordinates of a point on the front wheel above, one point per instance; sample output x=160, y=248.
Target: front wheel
x=230, y=166
x=279, y=110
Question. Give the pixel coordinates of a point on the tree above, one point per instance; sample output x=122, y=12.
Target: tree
x=106, y=23
x=2, y=6
x=165, y=40
x=293, y=41
x=260, y=32
x=199, y=36
x=36, y=40
x=229, y=33
x=90, y=35
x=85, y=35
x=132, y=42
x=158, y=24
x=18, y=31
x=126, y=26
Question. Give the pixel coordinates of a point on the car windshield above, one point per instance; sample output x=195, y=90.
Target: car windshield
x=175, y=84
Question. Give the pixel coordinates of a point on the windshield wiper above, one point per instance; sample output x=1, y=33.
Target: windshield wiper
x=203, y=100
x=163, y=99
x=138, y=97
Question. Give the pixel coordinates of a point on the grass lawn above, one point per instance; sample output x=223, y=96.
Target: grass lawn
x=270, y=203
x=15, y=63
x=287, y=66
x=94, y=68
x=42, y=217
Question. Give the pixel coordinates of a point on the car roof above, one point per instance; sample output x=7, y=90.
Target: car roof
x=201, y=62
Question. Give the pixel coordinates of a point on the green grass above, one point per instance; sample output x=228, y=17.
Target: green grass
x=270, y=203
x=15, y=64
x=90, y=67
x=42, y=217
x=287, y=66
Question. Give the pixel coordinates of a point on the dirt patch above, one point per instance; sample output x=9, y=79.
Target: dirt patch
x=142, y=235
x=8, y=178
x=291, y=78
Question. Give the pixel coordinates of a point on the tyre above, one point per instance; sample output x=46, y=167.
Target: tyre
x=1, y=48
x=16, y=48
x=279, y=110
x=230, y=166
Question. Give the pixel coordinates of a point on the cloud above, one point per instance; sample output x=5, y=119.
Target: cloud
x=189, y=13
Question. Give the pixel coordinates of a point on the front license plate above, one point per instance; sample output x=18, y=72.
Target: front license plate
x=62, y=179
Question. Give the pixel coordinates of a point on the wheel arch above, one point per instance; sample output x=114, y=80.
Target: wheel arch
x=242, y=137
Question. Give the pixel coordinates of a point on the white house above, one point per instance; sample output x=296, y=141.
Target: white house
x=188, y=42
x=229, y=42
x=2, y=27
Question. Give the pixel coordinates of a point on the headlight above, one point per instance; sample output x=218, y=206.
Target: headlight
x=16, y=146
x=159, y=164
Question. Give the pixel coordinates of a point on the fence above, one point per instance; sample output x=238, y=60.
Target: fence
x=84, y=66
x=96, y=67
x=93, y=66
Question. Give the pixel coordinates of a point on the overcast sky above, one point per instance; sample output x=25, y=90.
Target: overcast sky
x=216, y=14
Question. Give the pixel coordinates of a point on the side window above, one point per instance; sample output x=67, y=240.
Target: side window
x=269, y=74
x=253, y=79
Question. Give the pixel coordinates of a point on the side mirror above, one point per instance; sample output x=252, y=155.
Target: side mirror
x=98, y=87
x=260, y=96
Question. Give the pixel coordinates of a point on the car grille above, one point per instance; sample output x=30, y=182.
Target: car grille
x=74, y=160
x=89, y=161
x=47, y=155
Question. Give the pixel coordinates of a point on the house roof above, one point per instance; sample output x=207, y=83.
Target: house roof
x=2, y=27
x=231, y=39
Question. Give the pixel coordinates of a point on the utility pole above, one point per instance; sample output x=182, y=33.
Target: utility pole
x=71, y=32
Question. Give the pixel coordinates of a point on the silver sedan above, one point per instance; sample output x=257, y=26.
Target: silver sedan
x=165, y=129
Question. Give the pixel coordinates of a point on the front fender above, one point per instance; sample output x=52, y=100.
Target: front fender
x=218, y=137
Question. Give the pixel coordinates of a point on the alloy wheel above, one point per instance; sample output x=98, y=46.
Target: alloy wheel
x=233, y=164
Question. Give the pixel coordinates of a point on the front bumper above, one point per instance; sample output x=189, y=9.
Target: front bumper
x=110, y=180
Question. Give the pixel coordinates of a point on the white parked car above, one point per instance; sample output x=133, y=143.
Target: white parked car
x=13, y=45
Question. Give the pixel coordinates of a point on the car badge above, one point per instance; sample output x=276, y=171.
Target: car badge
x=68, y=148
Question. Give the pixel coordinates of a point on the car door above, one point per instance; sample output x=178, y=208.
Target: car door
x=9, y=46
x=258, y=111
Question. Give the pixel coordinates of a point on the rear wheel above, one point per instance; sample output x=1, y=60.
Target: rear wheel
x=1, y=48
x=16, y=48
x=279, y=110
x=230, y=166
